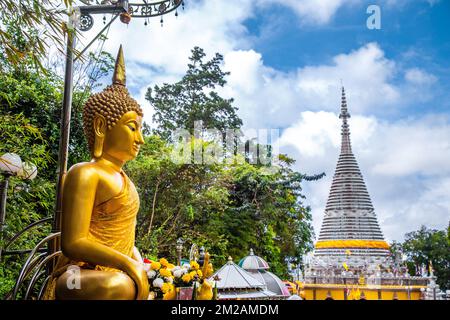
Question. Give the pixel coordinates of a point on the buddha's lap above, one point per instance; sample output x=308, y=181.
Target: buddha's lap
x=94, y=284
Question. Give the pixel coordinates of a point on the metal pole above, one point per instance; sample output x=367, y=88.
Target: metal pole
x=66, y=113
x=4, y=188
x=178, y=257
x=65, y=133
x=314, y=290
x=345, y=288
x=409, y=289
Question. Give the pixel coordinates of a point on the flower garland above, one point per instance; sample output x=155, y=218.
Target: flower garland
x=352, y=244
x=165, y=278
x=160, y=278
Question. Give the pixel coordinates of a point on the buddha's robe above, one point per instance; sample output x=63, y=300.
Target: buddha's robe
x=113, y=224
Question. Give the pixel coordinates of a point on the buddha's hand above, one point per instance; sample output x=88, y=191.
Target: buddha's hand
x=136, y=271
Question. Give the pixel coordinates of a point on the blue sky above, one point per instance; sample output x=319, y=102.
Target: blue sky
x=415, y=26
x=286, y=59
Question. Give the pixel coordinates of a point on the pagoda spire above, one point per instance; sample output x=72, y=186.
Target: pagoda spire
x=345, y=132
x=350, y=222
x=351, y=244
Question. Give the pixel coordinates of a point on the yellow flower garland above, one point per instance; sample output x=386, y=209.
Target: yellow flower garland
x=165, y=273
x=352, y=244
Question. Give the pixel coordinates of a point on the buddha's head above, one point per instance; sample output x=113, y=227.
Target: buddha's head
x=113, y=119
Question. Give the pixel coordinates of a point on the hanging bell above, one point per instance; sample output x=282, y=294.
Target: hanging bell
x=125, y=17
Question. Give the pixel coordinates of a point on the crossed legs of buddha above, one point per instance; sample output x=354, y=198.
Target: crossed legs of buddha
x=95, y=285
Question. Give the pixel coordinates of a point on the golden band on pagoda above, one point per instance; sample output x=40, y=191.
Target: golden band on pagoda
x=352, y=244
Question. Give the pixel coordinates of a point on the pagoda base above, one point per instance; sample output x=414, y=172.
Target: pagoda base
x=361, y=292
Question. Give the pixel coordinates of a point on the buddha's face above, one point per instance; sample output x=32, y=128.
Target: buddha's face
x=124, y=139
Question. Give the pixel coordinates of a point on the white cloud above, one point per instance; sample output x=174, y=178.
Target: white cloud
x=366, y=72
x=402, y=3
x=430, y=206
x=413, y=148
x=420, y=77
x=162, y=52
x=321, y=12
x=268, y=97
x=313, y=139
x=246, y=70
x=375, y=86
x=213, y=25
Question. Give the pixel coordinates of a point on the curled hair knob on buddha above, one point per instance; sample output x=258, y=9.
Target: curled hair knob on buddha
x=102, y=110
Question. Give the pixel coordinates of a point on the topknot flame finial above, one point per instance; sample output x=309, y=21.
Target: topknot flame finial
x=119, y=76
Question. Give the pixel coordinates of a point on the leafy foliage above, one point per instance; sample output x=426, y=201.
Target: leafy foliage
x=176, y=199
x=30, y=107
x=38, y=97
x=39, y=26
x=428, y=245
x=227, y=208
x=27, y=201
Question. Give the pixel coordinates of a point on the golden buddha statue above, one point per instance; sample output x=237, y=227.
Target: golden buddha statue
x=100, y=204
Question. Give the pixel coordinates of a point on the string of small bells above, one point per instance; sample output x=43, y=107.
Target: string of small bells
x=125, y=17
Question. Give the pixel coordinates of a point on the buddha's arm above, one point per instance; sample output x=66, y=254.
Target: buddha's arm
x=79, y=192
x=137, y=255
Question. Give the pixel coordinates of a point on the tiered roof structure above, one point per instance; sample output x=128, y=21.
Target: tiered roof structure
x=259, y=268
x=236, y=283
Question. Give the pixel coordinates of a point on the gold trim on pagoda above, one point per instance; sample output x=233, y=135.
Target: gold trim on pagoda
x=352, y=244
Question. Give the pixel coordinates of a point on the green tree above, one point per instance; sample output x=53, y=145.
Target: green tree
x=39, y=98
x=177, y=200
x=228, y=208
x=39, y=22
x=30, y=107
x=27, y=201
x=179, y=105
x=267, y=213
x=428, y=245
